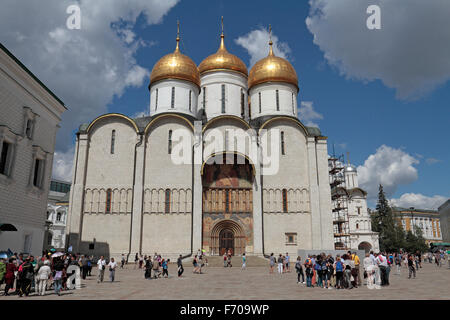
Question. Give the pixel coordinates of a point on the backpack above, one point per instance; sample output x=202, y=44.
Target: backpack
x=324, y=266
x=339, y=266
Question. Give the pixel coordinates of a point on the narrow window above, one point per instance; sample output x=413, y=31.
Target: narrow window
x=278, y=100
x=156, y=98
x=190, y=100
x=58, y=216
x=226, y=139
x=4, y=158
x=242, y=103
x=227, y=200
x=223, y=98
x=259, y=96
x=357, y=226
x=285, y=205
x=172, y=101
x=170, y=142
x=282, y=143
x=29, y=128
x=167, y=201
x=113, y=140
x=359, y=210
x=36, y=176
x=204, y=97
x=108, y=201
x=293, y=104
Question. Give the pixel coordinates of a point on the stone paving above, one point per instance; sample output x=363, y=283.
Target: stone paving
x=250, y=284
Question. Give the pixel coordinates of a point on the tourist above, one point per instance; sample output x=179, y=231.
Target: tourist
x=225, y=260
x=271, y=263
x=122, y=261
x=141, y=261
x=57, y=275
x=299, y=270
x=356, y=259
x=156, y=271
x=85, y=267
x=381, y=261
x=148, y=268
x=318, y=271
x=411, y=268
x=26, y=272
x=398, y=263
x=309, y=273
x=136, y=259
x=101, y=264
x=244, y=261
x=42, y=277
x=112, y=269
x=10, y=276
x=165, y=268
x=339, y=267
x=180, y=265
x=229, y=259
x=287, y=260
x=201, y=263
x=330, y=271
x=195, y=264
x=369, y=271
x=348, y=272
x=280, y=264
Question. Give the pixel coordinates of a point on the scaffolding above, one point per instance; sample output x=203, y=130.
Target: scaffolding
x=339, y=202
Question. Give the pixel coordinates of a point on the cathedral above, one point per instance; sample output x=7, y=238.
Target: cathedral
x=221, y=163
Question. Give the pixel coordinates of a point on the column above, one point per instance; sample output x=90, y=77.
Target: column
x=316, y=233
x=257, y=203
x=197, y=188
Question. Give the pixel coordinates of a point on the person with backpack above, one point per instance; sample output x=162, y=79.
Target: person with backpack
x=26, y=275
x=299, y=270
x=339, y=267
x=324, y=273
x=330, y=271
x=148, y=268
x=309, y=274
x=318, y=271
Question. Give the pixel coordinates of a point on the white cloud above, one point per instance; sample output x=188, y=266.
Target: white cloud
x=432, y=160
x=63, y=165
x=389, y=167
x=256, y=42
x=86, y=68
x=418, y=201
x=308, y=115
x=410, y=52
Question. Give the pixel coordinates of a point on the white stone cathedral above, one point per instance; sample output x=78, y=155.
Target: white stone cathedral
x=180, y=179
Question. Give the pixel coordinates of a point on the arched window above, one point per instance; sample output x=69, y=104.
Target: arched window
x=278, y=100
x=259, y=100
x=282, y=144
x=167, y=201
x=156, y=100
x=108, y=201
x=113, y=140
x=170, y=142
x=242, y=103
x=190, y=100
x=172, y=100
x=223, y=98
x=58, y=216
x=285, y=204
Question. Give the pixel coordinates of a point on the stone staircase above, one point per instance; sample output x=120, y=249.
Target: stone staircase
x=236, y=261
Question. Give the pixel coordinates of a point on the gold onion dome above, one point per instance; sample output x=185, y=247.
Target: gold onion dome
x=272, y=69
x=175, y=66
x=223, y=60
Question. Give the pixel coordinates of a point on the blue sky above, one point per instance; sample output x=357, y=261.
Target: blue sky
x=360, y=84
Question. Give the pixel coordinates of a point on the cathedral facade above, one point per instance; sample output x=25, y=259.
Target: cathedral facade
x=222, y=163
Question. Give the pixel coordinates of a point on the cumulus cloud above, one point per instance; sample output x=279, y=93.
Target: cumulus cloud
x=86, y=68
x=418, y=201
x=63, y=165
x=256, y=42
x=410, y=52
x=308, y=115
x=389, y=167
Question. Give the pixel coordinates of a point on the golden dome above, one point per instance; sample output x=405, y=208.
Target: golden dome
x=175, y=66
x=223, y=60
x=272, y=69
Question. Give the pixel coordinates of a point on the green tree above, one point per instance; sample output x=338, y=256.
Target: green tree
x=415, y=241
x=391, y=234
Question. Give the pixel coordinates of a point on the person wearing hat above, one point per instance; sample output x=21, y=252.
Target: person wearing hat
x=42, y=277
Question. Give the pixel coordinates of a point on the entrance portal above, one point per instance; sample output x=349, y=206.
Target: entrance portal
x=226, y=241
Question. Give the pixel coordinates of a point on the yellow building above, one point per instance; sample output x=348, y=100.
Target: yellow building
x=427, y=220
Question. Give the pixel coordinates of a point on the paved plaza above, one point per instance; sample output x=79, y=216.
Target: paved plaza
x=251, y=284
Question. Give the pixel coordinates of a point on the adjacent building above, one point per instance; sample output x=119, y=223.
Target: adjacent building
x=444, y=217
x=57, y=209
x=29, y=118
x=427, y=220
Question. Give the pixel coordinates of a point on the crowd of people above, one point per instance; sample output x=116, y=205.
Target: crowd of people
x=23, y=276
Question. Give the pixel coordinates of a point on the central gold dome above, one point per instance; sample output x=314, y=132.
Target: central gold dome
x=223, y=60
x=272, y=69
x=175, y=66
